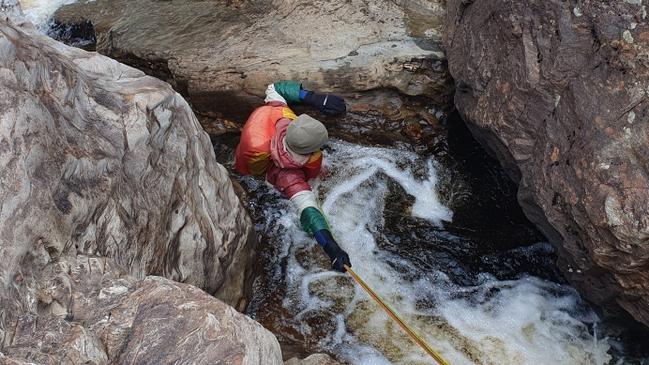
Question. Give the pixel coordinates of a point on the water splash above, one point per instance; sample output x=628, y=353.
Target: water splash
x=524, y=321
x=363, y=163
x=39, y=12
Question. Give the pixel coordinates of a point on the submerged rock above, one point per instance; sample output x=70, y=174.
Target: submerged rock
x=97, y=158
x=559, y=95
x=221, y=55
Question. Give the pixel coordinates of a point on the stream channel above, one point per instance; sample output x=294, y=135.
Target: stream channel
x=448, y=248
x=439, y=235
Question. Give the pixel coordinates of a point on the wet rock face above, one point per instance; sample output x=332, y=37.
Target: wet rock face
x=83, y=309
x=221, y=55
x=558, y=91
x=98, y=158
x=316, y=359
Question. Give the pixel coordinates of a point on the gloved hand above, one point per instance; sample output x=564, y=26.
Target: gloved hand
x=339, y=258
x=327, y=103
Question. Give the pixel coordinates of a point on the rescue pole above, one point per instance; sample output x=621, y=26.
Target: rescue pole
x=413, y=335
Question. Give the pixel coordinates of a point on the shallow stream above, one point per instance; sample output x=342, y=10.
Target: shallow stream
x=422, y=272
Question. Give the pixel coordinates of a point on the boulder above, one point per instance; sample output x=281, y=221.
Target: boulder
x=87, y=310
x=558, y=91
x=104, y=168
x=221, y=55
x=315, y=359
x=97, y=158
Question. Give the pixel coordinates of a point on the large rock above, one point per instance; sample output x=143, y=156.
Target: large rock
x=98, y=158
x=86, y=310
x=103, y=167
x=315, y=359
x=221, y=55
x=558, y=91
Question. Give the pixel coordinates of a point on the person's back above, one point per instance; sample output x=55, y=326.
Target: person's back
x=252, y=156
x=286, y=150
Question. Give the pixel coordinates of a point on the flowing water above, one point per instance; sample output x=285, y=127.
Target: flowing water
x=40, y=11
x=390, y=208
x=526, y=320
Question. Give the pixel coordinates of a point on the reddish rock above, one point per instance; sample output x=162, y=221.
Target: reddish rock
x=558, y=91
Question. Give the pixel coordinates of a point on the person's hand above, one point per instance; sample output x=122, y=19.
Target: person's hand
x=339, y=258
x=340, y=261
x=327, y=103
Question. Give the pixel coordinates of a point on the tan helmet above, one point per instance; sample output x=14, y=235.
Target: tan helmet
x=306, y=135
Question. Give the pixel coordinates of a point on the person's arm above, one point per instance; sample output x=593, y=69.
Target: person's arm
x=314, y=223
x=292, y=183
x=327, y=103
x=313, y=166
x=291, y=92
x=287, y=92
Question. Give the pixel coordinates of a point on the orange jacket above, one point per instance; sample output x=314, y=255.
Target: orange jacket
x=261, y=151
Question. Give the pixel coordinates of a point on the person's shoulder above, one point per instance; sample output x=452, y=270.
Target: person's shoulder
x=288, y=113
x=315, y=156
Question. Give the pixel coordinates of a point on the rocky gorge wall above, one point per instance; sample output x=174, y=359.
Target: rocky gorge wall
x=221, y=55
x=104, y=168
x=558, y=90
x=87, y=310
x=559, y=97
x=99, y=158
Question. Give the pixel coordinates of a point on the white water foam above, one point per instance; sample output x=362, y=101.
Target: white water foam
x=39, y=12
x=525, y=321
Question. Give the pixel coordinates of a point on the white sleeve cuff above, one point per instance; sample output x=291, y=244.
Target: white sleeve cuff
x=303, y=200
x=273, y=95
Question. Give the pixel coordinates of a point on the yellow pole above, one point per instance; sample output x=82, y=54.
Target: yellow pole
x=413, y=335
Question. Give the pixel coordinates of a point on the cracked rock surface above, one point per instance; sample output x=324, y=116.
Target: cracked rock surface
x=86, y=310
x=97, y=159
x=223, y=54
x=559, y=91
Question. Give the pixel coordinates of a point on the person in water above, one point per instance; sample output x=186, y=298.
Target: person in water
x=286, y=149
